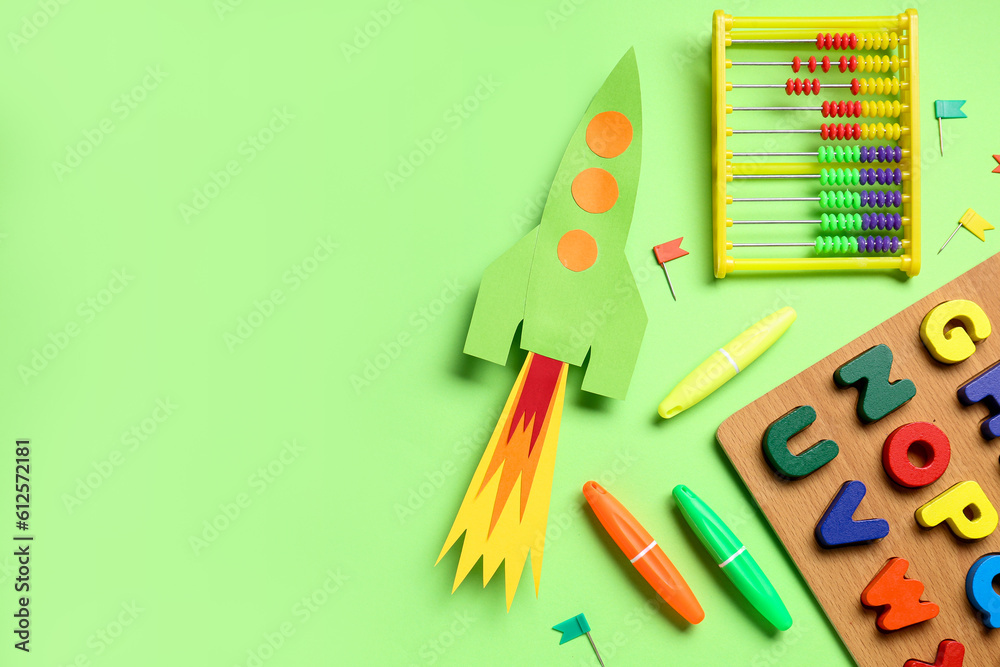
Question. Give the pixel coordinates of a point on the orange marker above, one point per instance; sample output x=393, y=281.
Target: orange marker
x=643, y=552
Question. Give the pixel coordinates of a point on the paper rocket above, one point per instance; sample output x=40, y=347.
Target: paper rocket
x=569, y=283
x=568, y=279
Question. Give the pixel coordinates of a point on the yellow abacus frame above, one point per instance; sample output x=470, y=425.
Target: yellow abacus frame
x=726, y=28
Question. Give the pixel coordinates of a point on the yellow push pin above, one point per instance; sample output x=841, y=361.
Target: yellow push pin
x=974, y=223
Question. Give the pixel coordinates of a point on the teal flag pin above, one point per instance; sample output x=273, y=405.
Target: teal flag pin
x=573, y=628
x=947, y=109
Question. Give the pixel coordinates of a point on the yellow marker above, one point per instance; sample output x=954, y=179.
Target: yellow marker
x=726, y=362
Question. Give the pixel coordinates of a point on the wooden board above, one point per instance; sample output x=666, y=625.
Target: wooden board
x=937, y=558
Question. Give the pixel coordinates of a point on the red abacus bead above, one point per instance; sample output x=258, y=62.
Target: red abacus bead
x=852, y=64
x=812, y=63
x=855, y=86
x=826, y=63
x=857, y=108
x=816, y=86
x=796, y=63
x=843, y=64
x=824, y=131
x=853, y=41
x=837, y=42
x=935, y=448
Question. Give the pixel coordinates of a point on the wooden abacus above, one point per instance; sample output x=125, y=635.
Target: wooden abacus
x=858, y=233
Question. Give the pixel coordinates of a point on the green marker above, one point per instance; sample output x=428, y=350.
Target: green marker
x=732, y=557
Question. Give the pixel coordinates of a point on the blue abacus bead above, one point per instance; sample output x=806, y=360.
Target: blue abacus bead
x=880, y=153
x=881, y=175
x=897, y=176
x=865, y=155
x=897, y=198
x=895, y=244
x=897, y=222
x=866, y=221
x=899, y=154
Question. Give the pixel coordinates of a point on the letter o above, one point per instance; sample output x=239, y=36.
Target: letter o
x=931, y=442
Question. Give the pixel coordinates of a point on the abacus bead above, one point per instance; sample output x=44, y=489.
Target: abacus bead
x=898, y=154
x=895, y=245
x=796, y=63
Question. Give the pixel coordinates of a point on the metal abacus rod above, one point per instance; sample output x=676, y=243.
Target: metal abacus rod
x=848, y=108
x=842, y=176
x=836, y=244
x=841, y=222
x=874, y=86
x=845, y=41
x=848, y=131
x=839, y=199
x=839, y=154
x=845, y=64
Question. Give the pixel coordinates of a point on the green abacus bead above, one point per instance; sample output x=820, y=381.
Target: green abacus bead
x=822, y=154
x=855, y=152
x=855, y=175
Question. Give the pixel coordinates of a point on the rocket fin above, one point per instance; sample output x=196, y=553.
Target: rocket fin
x=500, y=303
x=615, y=348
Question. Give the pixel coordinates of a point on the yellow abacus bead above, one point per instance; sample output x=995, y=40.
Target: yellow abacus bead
x=879, y=86
x=871, y=108
x=878, y=63
x=878, y=41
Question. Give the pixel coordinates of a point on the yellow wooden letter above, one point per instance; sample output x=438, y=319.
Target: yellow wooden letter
x=959, y=343
x=966, y=509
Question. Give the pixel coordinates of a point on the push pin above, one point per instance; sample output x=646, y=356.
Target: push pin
x=573, y=628
x=974, y=223
x=947, y=109
x=666, y=252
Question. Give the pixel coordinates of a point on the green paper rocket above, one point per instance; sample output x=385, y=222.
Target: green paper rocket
x=568, y=279
x=569, y=282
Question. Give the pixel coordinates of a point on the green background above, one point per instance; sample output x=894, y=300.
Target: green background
x=331, y=494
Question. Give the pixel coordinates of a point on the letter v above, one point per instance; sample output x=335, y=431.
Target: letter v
x=838, y=528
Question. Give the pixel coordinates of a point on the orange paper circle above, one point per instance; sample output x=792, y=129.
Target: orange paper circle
x=577, y=250
x=595, y=190
x=609, y=134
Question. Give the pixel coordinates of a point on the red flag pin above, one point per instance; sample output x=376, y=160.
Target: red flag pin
x=666, y=252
